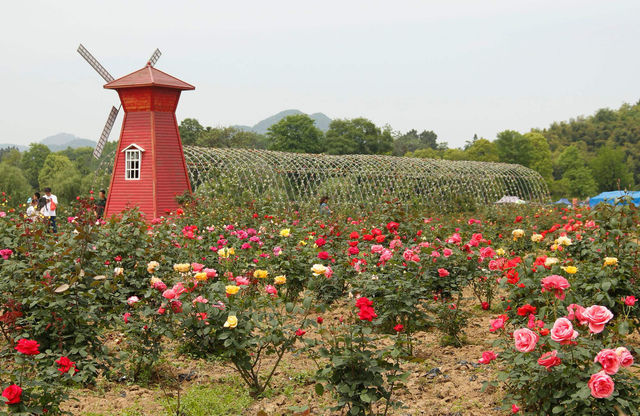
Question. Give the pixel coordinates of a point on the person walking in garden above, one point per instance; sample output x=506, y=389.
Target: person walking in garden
x=324, y=206
x=50, y=209
x=101, y=203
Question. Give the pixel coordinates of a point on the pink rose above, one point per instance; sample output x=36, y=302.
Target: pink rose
x=498, y=323
x=211, y=273
x=242, y=281
x=270, y=289
x=601, y=385
x=377, y=248
x=487, y=357
x=159, y=285
x=577, y=312
x=197, y=267
x=625, y=357
x=549, y=359
x=133, y=300
x=126, y=317
x=629, y=300
x=563, y=331
x=447, y=252
x=525, y=339
x=169, y=294
x=328, y=273
x=386, y=255
x=609, y=360
x=443, y=272
x=597, y=316
x=556, y=284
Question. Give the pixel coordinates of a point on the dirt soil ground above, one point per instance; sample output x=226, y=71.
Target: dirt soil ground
x=443, y=381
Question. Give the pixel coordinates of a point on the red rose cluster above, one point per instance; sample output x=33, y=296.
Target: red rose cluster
x=367, y=313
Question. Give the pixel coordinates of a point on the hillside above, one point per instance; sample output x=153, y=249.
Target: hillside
x=321, y=121
x=57, y=142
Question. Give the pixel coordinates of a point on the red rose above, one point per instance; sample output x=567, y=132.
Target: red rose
x=443, y=272
x=363, y=302
x=319, y=320
x=367, y=313
x=12, y=394
x=300, y=332
x=398, y=328
x=320, y=242
x=526, y=310
x=380, y=238
x=65, y=364
x=549, y=359
x=485, y=306
x=28, y=347
x=353, y=251
x=323, y=255
x=354, y=235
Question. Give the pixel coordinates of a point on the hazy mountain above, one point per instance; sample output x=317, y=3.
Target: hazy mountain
x=61, y=141
x=322, y=121
x=57, y=142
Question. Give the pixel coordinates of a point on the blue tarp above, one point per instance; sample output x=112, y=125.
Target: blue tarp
x=612, y=196
x=563, y=201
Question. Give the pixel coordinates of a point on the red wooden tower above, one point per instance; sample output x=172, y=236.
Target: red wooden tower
x=149, y=168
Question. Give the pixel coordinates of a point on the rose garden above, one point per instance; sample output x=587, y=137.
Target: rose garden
x=251, y=308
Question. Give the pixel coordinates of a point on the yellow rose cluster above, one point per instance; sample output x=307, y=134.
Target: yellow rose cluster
x=570, y=269
x=536, y=238
x=280, y=280
x=318, y=269
x=610, y=261
x=182, y=267
x=231, y=289
x=225, y=252
x=152, y=266
x=232, y=321
x=286, y=232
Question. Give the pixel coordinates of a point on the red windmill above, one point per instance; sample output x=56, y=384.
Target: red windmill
x=149, y=170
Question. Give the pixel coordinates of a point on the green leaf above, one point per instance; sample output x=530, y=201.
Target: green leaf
x=319, y=389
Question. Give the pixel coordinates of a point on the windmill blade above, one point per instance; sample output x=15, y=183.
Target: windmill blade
x=154, y=58
x=105, y=132
x=94, y=63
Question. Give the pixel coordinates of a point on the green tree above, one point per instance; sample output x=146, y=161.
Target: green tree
x=231, y=137
x=358, y=136
x=610, y=169
x=190, y=129
x=296, y=133
x=576, y=178
x=482, y=150
x=14, y=183
x=12, y=157
x=540, y=160
x=412, y=141
x=454, y=154
x=513, y=147
x=59, y=173
x=33, y=160
x=426, y=153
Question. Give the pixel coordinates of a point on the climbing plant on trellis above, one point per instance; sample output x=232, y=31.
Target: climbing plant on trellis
x=357, y=180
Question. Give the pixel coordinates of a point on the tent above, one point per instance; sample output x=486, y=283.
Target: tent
x=510, y=200
x=563, y=201
x=612, y=197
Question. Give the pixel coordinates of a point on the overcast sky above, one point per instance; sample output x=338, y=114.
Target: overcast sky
x=455, y=67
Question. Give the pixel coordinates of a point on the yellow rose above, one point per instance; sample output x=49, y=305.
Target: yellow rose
x=182, y=267
x=152, y=266
x=570, y=269
x=225, y=252
x=280, y=280
x=563, y=241
x=318, y=269
x=302, y=243
x=610, y=261
x=232, y=289
x=260, y=274
x=500, y=252
x=201, y=276
x=232, y=321
x=517, y=233
x=118, y=271
x=154, y=280
x=536, y=238
x=286, y=232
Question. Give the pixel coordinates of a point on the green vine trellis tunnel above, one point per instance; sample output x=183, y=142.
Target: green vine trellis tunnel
x=354, y=180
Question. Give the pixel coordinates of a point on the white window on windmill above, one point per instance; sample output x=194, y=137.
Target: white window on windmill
x=132, y=162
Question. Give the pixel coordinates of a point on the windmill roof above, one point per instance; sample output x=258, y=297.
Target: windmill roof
x=148, y=77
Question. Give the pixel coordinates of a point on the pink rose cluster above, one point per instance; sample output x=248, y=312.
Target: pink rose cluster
x=601, y=384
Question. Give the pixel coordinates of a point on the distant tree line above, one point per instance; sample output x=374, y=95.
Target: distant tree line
x=577, y=158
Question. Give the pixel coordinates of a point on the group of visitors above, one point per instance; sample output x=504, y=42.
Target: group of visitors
x=45, y=206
